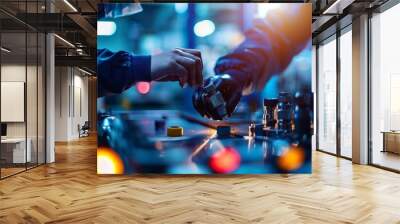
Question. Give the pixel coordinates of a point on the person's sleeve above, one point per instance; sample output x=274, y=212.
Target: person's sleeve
x=118, y=71
x=269, y=46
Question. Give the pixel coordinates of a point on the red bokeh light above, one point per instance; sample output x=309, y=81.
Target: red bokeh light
x=225, y=161
x=143, y=87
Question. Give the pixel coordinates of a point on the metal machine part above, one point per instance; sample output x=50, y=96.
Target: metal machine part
x=217, y=102
x=209, y=102
x=174, y=131
x=252, y=129
x=292, y=113
x=303, y=106
x=285, y=113
x=223, y=131
x=269, y=120
x=218, y=97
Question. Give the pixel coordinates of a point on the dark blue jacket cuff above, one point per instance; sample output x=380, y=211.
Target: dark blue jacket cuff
x=141, y=68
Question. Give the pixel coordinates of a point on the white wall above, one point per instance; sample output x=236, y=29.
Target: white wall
x=81, y=84
x=61, y=103
x=34, y=125
x=12, y=73
x=71, y=94
x=16, y=73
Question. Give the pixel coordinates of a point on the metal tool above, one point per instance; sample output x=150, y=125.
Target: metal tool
x=218, y=97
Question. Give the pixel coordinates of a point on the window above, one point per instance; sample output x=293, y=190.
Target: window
x=346, y=93
x=22, y=77
x=327, y=96
x=385, y=89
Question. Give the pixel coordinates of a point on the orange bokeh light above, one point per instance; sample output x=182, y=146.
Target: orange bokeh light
x=109, y=162
x=225, y=160
x=292, y=159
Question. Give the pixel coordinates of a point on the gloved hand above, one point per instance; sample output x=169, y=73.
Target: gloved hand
x=183, y=65
x=218, y=97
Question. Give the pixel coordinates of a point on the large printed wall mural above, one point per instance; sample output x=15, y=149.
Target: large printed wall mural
x=204, y=88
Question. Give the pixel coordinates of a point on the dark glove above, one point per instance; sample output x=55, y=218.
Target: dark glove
x=218, y=97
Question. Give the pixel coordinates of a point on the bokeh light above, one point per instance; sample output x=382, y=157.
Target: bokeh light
x=181, y=7
x=204, y=28
x=143, y=87
x=109, y=162
x=126, y=104
x=291, y=159
x=226, y=160
x=264, y=8
x=106, y=28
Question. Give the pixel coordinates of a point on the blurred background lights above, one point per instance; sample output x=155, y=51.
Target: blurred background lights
x=181, y=7
x=126, y=103
x=143, y=87
x=109, y=162
x=264, y=8
x=226, y=160
x=106, y=28
x=279, y=147
x=291, y=159
x=204, y=28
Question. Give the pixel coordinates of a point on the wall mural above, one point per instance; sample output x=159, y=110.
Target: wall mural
x=204, y=88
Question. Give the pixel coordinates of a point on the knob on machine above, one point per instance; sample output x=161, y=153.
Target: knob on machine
x=218, y=97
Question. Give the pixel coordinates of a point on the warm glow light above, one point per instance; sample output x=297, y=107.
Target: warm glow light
x=225, y=161
x=204, y=28
x=291, y=159
x=126, y=103
x=143, y=87
x=109, y=162
x=264, y=8
x=106, y=28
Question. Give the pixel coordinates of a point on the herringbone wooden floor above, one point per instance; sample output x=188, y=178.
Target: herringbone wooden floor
x=69, y=191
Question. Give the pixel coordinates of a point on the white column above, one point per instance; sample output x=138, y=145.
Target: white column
x=360, y=90
x=62, y=103
x=50, y=92
x=314, y=90
x=50, y=98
